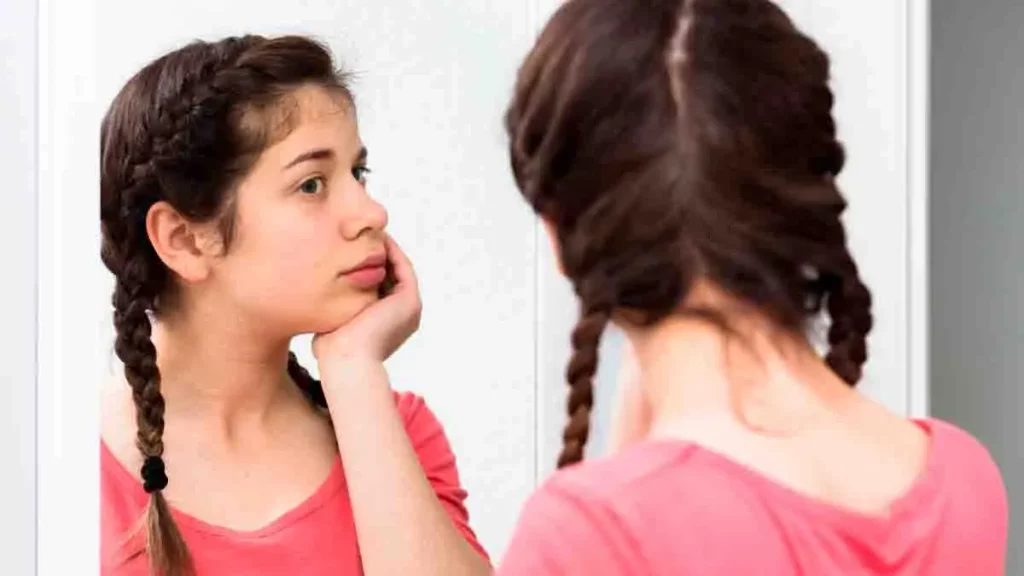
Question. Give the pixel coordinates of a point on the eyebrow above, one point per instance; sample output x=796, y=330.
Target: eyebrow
x=318, y=154
x=323, y=154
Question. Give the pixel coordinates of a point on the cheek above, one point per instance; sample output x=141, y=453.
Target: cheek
x=280, y=259
x=284, y=271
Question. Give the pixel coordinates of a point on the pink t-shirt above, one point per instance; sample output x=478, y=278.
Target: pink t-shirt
x=317, y=538
x=672, y=508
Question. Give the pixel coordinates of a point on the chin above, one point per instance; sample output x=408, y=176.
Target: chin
x=334, y=314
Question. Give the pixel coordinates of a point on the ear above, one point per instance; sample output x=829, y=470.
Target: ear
x=177, y=243
x=552, y=234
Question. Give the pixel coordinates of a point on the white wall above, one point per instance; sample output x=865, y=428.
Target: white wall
x=18, y=305
x=878, y=53
x=977, y=279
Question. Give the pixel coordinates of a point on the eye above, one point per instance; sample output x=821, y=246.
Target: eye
x=359, y=173
x=312, y=185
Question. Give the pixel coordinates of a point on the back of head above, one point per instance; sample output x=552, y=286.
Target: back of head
x=676, y=141
x=183, y=131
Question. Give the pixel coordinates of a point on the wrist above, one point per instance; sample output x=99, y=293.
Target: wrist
x=344, y=372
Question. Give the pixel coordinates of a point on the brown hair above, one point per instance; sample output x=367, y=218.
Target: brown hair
x=674, y=140
x=182, y=131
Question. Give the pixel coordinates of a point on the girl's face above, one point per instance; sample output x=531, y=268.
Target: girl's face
x=304, y=224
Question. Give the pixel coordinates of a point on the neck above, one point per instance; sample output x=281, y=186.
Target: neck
x=227, y=375
x=693, y=373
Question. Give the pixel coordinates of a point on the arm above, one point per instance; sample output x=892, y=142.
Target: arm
x=401, y=522
x=438, y=462
x=400, y=517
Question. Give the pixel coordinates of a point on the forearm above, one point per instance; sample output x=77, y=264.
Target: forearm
x=401, y=525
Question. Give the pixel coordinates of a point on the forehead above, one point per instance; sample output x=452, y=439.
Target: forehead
x=311, y=117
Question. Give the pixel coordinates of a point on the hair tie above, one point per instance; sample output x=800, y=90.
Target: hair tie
x=154, y=478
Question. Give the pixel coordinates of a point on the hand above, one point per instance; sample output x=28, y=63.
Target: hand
x=631, y=421
x=375, y=333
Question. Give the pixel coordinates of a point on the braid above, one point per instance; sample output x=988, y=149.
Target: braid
x=168, y=554
x=849, y=307
x=309, y=385
x=586, y=338
x=140, y=279
x=848, y=298
x=848, y=302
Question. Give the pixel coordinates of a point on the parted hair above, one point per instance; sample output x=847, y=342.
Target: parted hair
x=671, y=141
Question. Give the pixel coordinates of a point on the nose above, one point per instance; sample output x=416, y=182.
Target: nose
x=361, y=214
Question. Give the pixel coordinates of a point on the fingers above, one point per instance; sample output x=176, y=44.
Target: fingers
x=404, y=273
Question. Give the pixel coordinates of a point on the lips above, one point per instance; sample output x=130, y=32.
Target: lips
x=368, y=274
x=375, y=261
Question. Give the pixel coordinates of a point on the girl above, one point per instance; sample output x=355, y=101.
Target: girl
x=683, y=156
x=235, y=216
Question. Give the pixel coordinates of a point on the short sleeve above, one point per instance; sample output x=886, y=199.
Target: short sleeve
x=438, y=461
x=565, y=533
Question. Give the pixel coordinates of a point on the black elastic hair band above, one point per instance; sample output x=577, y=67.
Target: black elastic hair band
x=154, y=478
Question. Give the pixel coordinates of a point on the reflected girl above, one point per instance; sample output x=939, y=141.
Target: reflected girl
x=235, y=216
x=684, y=157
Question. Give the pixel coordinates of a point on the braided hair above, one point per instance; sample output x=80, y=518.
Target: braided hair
x=175, y=133
x=673, y=141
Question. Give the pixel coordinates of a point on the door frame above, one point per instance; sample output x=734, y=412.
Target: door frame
x=18, y=309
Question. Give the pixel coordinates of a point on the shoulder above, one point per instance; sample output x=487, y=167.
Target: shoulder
x=950, y=436
x=408, y=403
x=610, y=478
x=972, y=490
x=417, y=416
x=438, y=461
x=955, y=444
x=117, y=424
x=427, y=435
x=596, y=517
x=122, y=503
x=965, y=461
x=563, y=532
x=637, y=481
